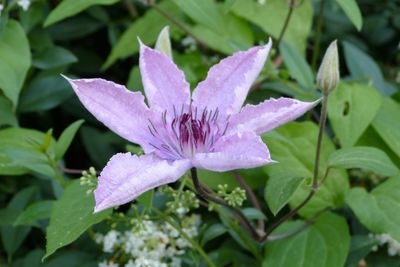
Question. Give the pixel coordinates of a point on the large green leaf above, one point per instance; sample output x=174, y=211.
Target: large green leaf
x=369, y=158
x=323, y=244
x=68, y=8
x=271, y=17
x=15, y=59
x=297, y=65
x=348, y=112
x=7, y=116
x=281, y=188
x=220, y=30
x=379, y=210
x=203, y=12
x=71, y=216
x=34, y=212
x=53, y=57
x=146, y=28
x=293, y=146
x=352, y=11
x=387, y=124
x=20, y=152
x=44, y=92
x=362, y=66
x=12, y=237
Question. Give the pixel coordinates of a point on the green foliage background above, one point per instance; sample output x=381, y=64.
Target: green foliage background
x=42, y=206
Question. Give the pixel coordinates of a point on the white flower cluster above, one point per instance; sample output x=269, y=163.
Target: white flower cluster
x=392, y=245
x=153, y=244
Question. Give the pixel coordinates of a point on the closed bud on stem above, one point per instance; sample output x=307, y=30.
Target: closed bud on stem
x=163, y=43
x=328, y=74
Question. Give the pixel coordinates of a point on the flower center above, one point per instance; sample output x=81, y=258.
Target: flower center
x=187, y=133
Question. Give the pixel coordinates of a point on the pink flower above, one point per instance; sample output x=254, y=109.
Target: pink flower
x=208, y=129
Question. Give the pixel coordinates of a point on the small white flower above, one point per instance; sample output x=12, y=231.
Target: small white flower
x=1, y=7
x=261, y=2
x=110, y=240
x=24, y=4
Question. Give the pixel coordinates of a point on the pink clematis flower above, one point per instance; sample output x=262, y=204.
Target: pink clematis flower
x=208, y=129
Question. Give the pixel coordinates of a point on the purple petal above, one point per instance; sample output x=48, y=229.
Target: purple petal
x=164, y=84
x=228, y=82
x=268, y=115
x=127, y=176
x=123, y=111
x=238, y=151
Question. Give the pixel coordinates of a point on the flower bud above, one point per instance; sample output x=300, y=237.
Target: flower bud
x=163, y=43
x=328, y=74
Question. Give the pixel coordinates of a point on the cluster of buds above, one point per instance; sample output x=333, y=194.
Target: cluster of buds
x=234, y=198
x=89, y=179
x=181, y=201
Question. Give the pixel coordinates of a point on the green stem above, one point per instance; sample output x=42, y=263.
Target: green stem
x=252, y=198
x=314, y=187
x=209, y=197
x=318, y=35
x=194, y=244
x=322, y=122
x=286, y=23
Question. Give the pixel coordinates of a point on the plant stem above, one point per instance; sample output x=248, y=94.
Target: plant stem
x=297, y=230
x=315, y=184
x=286, y=23
x=209, y=197
x=131, y=8
x=252, y=198
x=318, y=35
x=194, y=244
x=322, y=122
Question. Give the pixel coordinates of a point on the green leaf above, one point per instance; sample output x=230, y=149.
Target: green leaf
x=280, y=189
x=369, y=158
x=146, y=28
x=53, y=57
x=352, y=11
x=203, y=12
x=348, y=112
x=71, y=216
x=218, y=29
x=66, y=138
x=362, y=66
x=99, y=145
x=7, y=116
x=20, y=152
x=68, y=8
x=44, y=92
x=212, y=232
x=146, y=199
x=15, y=59
x=8, y=216
x=387, y=124
x=293, y=146
x=360, y=246
x=323, y=244
x=271, y=17
x=34, y=212
x=379, y=210
x=11, y=236
x=297, y=65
